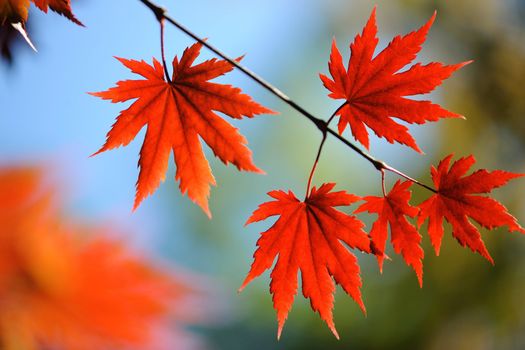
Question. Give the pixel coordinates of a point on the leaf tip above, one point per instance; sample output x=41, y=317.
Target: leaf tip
x=259, y=171
x=374, y=11
x=279, y=332
x=420, y=278
x=136, y=204
x=363, y=308
x=491, y=260
x=432, y=18
x=245, y=283
x=416, y=148
x=205, y=208
x=271, y=111
x=334, y=332
x=463, y=64
x=102, y=149
x=437, y=250
x=280, y=329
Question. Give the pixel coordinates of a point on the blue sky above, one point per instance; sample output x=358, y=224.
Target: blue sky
x=50, y=118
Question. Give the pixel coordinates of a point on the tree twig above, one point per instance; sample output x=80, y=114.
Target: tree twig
x=322, y=125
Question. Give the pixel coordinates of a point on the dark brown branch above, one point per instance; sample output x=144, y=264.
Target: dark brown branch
x=322, y=125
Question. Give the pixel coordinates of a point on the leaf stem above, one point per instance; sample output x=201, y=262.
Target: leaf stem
x=160, y=14
x=383, y=186
x=320, y=149
x=380, y=165
x=161, y=22
x=314, y=166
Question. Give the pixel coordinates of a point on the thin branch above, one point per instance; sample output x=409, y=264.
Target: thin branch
x=395, y=171
x=380, y=165
x=159, y=12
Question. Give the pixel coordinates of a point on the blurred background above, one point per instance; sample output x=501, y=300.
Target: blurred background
x=48, y=118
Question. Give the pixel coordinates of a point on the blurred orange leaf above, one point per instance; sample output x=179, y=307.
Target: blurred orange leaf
x=61, y=290
x=62, y=7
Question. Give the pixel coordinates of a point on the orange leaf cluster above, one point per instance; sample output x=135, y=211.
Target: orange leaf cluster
x=308, y=235
x=57, y=291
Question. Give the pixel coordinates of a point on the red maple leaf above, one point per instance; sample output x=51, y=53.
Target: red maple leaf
x=62, y=7
x=307, y=237
x=375, y=93
x=392, y=210
x=177, y=113
x=455, y=202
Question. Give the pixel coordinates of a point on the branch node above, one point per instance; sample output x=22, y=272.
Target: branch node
x=379, y=165
x=159, y=12
x=321, y=125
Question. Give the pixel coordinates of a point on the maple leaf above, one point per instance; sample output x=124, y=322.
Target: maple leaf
x=13, y=11
x=177, y=113
x=455, y=202
x=17, y=10
x=58, y=291
x=374, y=93
x=392, y=210
x=62, y=7
x=13, y=16
x=308, y=236
x=17, y=186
